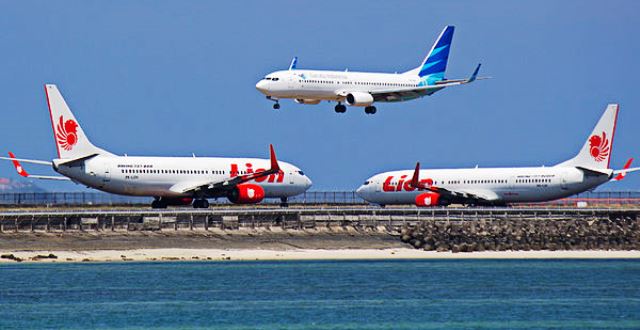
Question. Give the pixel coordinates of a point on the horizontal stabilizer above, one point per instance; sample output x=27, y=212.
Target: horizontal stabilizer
x=22, y=172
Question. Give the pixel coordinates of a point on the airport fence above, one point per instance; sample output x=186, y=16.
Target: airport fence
x=600, y=198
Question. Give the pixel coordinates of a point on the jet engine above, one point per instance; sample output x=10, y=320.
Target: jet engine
x=359, y=99
x=246, y=194
x=427, y=199
x=307, y=101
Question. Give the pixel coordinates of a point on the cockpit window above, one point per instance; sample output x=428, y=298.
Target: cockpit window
x=275, y=79
x=267, y=78
x=301, y=173
x=366, y=183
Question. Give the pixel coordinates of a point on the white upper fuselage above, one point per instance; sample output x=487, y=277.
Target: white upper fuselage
x=168, y=176
x=312, y=86
x=503, y=185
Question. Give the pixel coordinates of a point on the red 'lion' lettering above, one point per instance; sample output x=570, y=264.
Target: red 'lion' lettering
x=269, y=178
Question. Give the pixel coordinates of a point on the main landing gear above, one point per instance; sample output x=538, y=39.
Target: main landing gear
x=283, y=202
x=200, y=204
x=158, y=204
x=341, y=108
x=370, y=110
x=276, y=105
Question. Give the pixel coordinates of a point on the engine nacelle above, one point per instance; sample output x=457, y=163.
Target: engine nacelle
x=307, y=101
x=359, y=99
x=427, y=199
x=246, y=194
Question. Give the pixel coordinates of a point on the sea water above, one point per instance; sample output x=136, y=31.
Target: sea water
x=456, y=294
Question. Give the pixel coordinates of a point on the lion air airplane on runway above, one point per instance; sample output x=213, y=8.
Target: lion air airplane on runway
x=362, y=89
x=171, y=180
x=501, y=186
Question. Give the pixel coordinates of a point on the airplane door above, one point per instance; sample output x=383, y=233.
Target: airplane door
x=291, y=178
x=512, y=182
x=106, y=178
x=563, y=182
x=291, y=80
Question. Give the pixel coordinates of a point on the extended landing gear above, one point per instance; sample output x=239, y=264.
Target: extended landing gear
x=341, y=108
x=283, y=202
x=276, y=105
x=370, y=110
x=200, y=204
x=158, y=204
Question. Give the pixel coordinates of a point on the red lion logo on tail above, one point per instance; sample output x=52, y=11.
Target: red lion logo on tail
x=66, y=133
x=599, y=147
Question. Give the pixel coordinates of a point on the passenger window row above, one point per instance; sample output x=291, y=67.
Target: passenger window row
x=151, y=171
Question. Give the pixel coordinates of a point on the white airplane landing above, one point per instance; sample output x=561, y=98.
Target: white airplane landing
x=501, y=186
x=363, y=89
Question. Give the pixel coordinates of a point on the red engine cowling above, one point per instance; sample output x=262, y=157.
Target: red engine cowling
x=427, y=199
x=246, y=194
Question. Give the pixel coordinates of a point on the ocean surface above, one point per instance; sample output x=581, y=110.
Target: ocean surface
x=456, y=294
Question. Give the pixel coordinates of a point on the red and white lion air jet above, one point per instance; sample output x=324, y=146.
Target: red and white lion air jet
x=501, y=186
x=171, y=180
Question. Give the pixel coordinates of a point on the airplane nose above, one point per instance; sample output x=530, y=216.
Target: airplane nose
x=307, y=183
x=360, y=191
x=261, y=86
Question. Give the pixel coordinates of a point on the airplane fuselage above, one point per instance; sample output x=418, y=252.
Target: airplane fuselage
x=167, y=176
x=507, y=185
x=312, y=86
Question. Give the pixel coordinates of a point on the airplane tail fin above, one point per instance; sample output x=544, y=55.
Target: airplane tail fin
x=71, y=142
x=434, y=65
x=596, y=151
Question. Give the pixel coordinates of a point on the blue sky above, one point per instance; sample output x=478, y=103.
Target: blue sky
x=172, y=78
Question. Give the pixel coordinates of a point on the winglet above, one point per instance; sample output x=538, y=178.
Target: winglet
x=415, y=180
x=474, y=75
x=274, y=160
x=294, y=63
x=622, y=174
x=18, y=166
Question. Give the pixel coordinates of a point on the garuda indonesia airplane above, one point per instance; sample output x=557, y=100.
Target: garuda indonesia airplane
x=363, y=89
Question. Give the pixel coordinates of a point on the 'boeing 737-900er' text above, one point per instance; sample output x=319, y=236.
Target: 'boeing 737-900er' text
x=363, y=89
x=501, y=186
x=170, y=180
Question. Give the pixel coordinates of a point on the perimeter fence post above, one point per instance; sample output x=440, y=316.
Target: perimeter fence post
x=206, y=222
x=190, y=222
x=113, y=222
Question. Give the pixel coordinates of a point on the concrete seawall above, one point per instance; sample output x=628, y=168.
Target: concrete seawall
x=439, y=229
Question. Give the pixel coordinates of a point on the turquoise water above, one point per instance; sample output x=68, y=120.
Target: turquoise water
x=462, y=294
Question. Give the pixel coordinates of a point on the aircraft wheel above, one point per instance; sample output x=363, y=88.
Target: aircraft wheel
x=276, y=106
x=341, y=108
x=283, y=202
x=157, y=204
x=200, y=204
x=370, y=110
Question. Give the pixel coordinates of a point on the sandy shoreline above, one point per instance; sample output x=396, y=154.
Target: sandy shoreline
x=300, y=254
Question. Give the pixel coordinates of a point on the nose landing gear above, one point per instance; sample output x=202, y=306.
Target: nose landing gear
x=276, y=105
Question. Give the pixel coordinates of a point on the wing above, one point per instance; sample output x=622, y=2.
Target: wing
x=22, y=172
x=410, y=93
x=475, y=196
x=219, y=188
